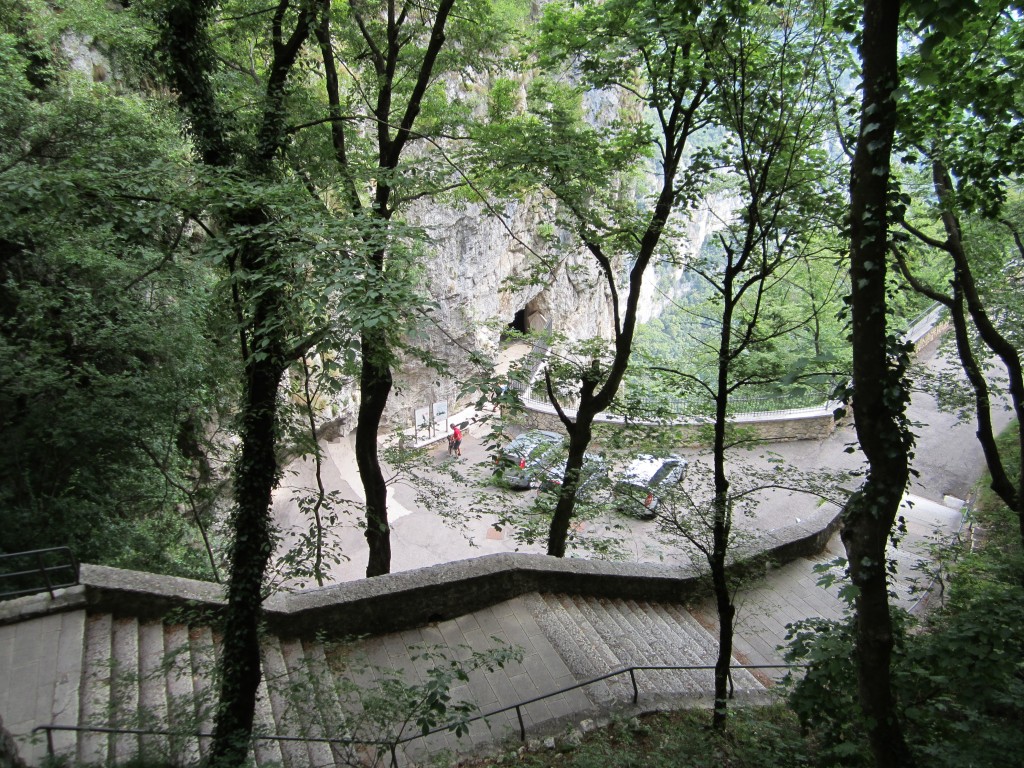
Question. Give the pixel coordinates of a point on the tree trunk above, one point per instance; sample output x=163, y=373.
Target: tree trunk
x=880, y=394
x=374, y=387
x=722, y=510
x=726, y=617
x=394, y=129
x=967, y=291
x=256, y=474
x=579, y=439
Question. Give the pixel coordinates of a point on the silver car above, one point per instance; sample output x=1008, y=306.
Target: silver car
x=638, y=489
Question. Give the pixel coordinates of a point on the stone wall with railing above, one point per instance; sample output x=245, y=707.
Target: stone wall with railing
x=775, y=425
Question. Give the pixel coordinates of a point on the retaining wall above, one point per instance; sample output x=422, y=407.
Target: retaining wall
x=802, y=424
x=414, y=598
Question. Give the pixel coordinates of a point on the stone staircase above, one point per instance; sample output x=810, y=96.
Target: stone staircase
x=104, y=670
x=595, y=635
x=150, y=675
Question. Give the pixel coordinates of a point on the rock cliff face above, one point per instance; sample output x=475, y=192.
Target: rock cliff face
x=491, y=270
x=83, y=55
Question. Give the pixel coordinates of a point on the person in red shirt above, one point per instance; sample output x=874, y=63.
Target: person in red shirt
x=455, y=441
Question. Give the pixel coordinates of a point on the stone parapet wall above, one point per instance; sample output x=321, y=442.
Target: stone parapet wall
x=779, y=426
x=803, y=424
x=419, y=597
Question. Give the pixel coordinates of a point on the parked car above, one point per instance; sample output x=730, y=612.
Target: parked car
x=594, y=469
x=521, y=462
x=639, y=488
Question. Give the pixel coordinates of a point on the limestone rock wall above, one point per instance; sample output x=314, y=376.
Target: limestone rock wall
x=487, y=266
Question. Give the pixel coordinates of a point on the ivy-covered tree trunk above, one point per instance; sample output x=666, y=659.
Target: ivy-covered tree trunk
x=880, y=393
x=260, y=279
x=256, y=474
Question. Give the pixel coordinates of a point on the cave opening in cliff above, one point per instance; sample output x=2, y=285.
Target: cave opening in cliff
x=530, y=318
x=518, y=323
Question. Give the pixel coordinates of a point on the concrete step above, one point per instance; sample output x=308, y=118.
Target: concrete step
x=287, y=714
x=326, y=700
x=201, y=660
x=659, y=648
x=95, y=689
x=267, y=752
x=581, y=647
x=676, y=646
x=595, y=635
x=309, y=685
x=124, y=688
x=623, y=639
x=744, y=681
x=67, y=691
x=153, y=681
x=697, y=645
x=151, y=675
x=205, y=646
x=180, y=711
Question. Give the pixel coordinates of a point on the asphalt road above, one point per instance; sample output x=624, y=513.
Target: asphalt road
x=443, y=509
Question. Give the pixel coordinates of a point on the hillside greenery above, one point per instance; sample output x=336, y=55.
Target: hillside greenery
x=202, y=206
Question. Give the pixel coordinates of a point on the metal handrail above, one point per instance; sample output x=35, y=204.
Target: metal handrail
x=631, y=671
x=70, y=562
x=393, y=745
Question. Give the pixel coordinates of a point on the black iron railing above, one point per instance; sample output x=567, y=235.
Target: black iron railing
x=392, y=745
x=39, y=570
x=631, y=671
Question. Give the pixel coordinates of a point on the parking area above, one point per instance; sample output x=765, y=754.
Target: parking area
x=443, y=509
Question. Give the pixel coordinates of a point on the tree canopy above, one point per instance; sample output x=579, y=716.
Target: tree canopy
x=204, y=204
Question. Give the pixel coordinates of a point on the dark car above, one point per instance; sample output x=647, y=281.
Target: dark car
x=639, y=488
x=593, y=471
x=521, y=462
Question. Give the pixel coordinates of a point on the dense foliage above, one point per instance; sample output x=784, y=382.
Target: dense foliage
x=958, y=676
x=110, y=379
